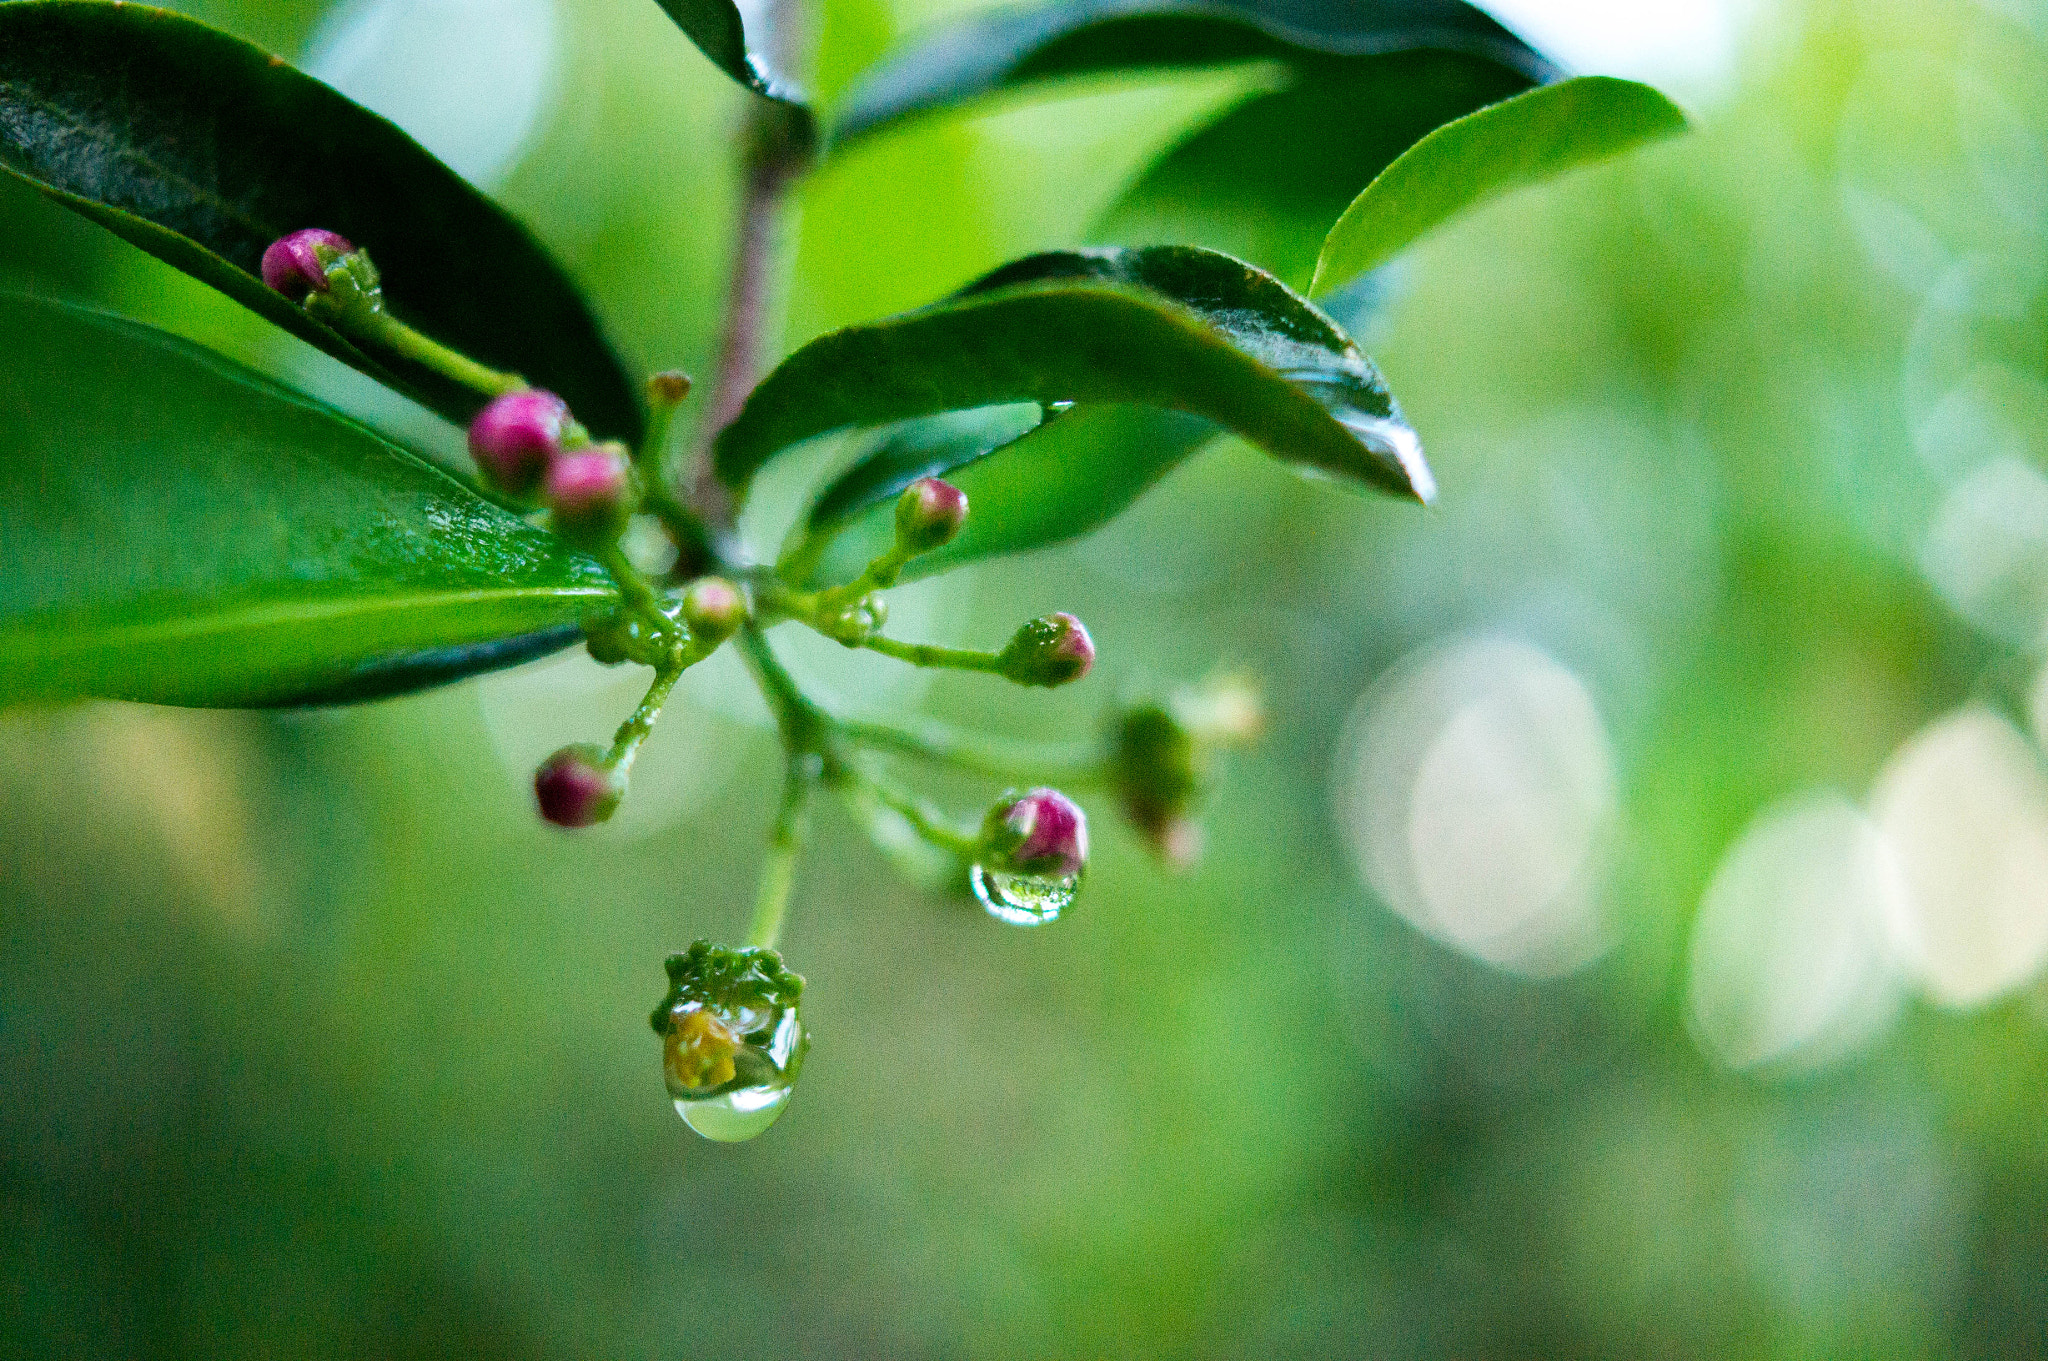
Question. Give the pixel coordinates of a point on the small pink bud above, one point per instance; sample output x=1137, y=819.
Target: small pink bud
x=1049, y=833
x=576, y=788
x=929, y=514
x=589, y=491
x=714, y=609
x=1049, y=651
x=516, y=437
x=296, y=265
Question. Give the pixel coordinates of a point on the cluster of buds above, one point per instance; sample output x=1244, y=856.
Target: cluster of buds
x=528, y=446
x=1163, y=756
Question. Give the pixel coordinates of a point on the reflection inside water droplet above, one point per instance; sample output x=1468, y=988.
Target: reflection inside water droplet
x=731, y=1071
x=737, y=1115
x=1022, y=899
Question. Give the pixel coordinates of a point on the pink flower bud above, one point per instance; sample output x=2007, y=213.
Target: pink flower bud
x=714, y=609
x=929, y=514
x=1048, y=831
x=1049, y=651
x=577, y=788
x=516, y=437
x=296, y=265
x=590, y=493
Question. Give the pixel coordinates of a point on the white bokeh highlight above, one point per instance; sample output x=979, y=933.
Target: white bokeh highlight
x=1791, y=959
x=469, y=79
x=1476, y=789
x=1964, y=805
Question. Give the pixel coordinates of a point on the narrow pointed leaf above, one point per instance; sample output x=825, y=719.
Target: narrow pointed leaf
x=719, y=29
x=985, y=54
x=1058, y=481
x=1519, y=141
x=1170, y=327
x=202, y=149
x=1362, y=80
x=180, y=530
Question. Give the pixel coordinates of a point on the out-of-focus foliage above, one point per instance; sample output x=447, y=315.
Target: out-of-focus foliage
x=1667, y=985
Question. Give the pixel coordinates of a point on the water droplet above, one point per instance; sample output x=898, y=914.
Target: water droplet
x=737, y=1115
x=1022, y=899
x=759, y=1074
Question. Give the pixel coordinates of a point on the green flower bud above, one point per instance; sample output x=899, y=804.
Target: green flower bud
x=1049, y=651
x=714, y=609
x=929, y=514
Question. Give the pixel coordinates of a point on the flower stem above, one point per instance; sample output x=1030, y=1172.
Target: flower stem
x=1072, y=766
x=931, y=654
x=396, y=336
x=923, y=819
x=634, y=731
x=785, y=844
x=773, y=161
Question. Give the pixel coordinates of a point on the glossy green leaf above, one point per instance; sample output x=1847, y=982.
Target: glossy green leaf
x=719, y=29
x=1058, y=481
x=202, y=149
x=179, y=530
x=1519, y=141
x=1176, y=328
x=1265, y=182
x=984, y=54
x=1265, y=178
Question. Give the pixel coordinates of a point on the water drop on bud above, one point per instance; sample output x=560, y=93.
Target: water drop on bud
x=576, y=787
x=516, y=438
x=714, y=609
x=1033, y=849
x=929, y=514
x=732, y=1043
x=1049, y=651
x=590, y=492
x=296, y=264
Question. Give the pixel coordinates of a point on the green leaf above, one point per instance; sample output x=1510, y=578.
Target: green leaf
x=930, y=446
x=1058, y=481
x=182, y=531
x=1265, y=182
x=1176, y=328
x=202, y=149
x=719, y=29
x=1519, y=141
x=984, y=54
x=1263, y=179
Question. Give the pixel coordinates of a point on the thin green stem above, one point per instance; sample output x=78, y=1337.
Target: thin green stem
x=638, y=592
x=926, y=821
x=1072, y=766
x=785, y=844
x=931, y=654
x=634, y=731
x=805, y=727
x=396, y=336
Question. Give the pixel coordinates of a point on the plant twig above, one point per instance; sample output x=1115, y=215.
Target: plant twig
x=774, y=158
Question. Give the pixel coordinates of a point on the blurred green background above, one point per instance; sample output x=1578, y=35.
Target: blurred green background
x=1626, y=942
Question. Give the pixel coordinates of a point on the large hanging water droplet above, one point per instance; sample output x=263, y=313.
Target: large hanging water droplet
x=731, y=1071
x=1022, y=899
x=737, y=1115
